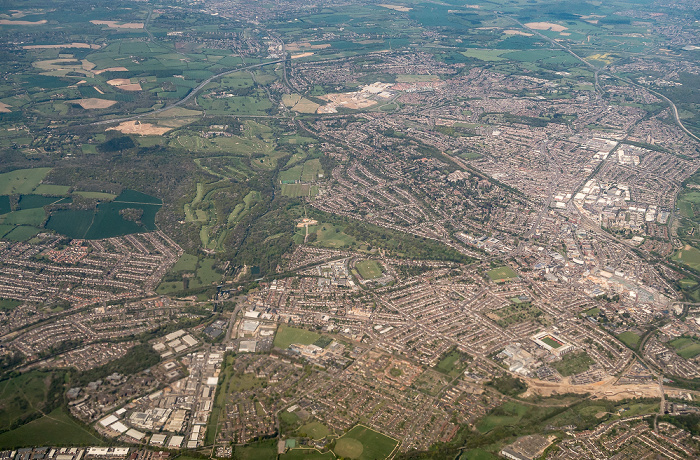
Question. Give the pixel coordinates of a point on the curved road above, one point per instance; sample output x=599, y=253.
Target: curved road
x=189, y=95
x=598, y=70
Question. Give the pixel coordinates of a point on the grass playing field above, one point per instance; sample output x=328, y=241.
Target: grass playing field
x=314, y=430
x=369, y=269
x=686, y=347
x=288, y=335
x=364, y=443
x=501, y=274
x=689, y=256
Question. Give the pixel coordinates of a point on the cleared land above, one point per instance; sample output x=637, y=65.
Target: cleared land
x=95, y=103
x=137, y=127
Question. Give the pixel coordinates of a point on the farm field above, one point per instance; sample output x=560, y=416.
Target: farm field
x=331, y=236
x=21, y=181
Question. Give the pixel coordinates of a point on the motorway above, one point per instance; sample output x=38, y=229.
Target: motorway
x=598, y=70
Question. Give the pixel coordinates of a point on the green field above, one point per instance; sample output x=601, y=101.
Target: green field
x=21, y=181
x=22, y=396
x=573, y=363
x=689, y=256
x=509, y=414
x=369, y=269
x=477, y=454
x=453, y=363
x=186, y=262
x=287, y=335
x=307, y=454
x=9, y=304
x=331, y=236
x=551, y=342
x=485, y=54
x=55, y=429
x=21, y=233
x=25, y=217
x=203, y=269
x=48, y=189
x=501, y=274
x=264, y=450
x=363, y=443
x=629, y=338
x=314, y=430
x=299, y=190
x=686, y=347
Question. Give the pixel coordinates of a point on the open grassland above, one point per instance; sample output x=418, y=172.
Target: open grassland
x=55, y=429
x=288, y=335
